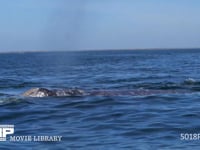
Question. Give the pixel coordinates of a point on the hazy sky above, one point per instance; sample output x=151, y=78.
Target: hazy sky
x=98, y=24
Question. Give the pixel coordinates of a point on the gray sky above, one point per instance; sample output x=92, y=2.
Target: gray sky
x=98, y=24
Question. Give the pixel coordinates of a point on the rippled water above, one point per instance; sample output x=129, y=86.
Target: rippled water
x=103, y=122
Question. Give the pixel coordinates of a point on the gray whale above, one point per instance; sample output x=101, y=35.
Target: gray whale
x=44, y=92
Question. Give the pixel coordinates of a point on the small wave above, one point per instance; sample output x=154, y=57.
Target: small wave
x=16, y=83
x=191, y=81
x=3, y=94
x=11, y=100
x=187, y=84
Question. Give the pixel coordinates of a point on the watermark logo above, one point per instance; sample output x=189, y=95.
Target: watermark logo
x=6, y=130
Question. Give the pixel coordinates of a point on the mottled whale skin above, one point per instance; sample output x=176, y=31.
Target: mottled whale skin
x=44, y=92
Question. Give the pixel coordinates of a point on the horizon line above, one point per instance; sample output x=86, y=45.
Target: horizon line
x=82, y=50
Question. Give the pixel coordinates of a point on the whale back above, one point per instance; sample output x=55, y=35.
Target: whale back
x=38, y=92
x=43, y=92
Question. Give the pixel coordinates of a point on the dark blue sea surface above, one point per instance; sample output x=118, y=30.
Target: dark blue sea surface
x=140, y=122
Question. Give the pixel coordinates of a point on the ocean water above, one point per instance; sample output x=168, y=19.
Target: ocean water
x=142, y=122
